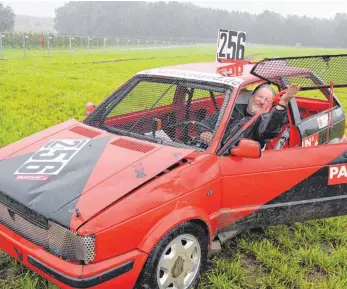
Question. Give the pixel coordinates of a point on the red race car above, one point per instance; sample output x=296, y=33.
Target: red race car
x=135, y=197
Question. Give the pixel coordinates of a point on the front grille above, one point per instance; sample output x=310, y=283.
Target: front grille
x=21, y=226
x=56, y=239
x=30, y=215
x=69, y=245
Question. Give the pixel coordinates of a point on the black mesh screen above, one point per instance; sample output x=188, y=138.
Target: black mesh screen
x=166, y=111
x=324, y=69
x=57, y=239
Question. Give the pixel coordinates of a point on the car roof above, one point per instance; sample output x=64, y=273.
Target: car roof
x=233, y=72
x=208, y=71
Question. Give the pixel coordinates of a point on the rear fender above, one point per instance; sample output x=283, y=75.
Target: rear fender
x=169, y=222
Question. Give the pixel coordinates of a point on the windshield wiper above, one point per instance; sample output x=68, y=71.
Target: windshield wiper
x=149, y=109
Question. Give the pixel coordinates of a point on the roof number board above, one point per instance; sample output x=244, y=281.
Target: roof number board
x=230, y=45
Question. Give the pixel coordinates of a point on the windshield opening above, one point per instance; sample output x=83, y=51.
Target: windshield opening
x=168, y=111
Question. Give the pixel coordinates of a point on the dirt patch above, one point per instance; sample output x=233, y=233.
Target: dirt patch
x=252, y=266
x=8, y=274
x=249, y=262
x=317, y=274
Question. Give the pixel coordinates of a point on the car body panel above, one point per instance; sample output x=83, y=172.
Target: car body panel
x=160, y=205
x=56, y=196
x=301, y=174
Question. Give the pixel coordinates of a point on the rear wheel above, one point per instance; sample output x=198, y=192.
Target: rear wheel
x=177, y=261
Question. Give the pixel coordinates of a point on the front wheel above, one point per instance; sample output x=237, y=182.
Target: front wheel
x=177, y=261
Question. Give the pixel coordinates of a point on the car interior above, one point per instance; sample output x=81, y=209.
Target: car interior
x=309, y=105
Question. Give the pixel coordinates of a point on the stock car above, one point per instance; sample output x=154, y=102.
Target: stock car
x=133, y=197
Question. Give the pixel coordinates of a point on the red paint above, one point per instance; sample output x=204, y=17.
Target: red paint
x=309, y=106
x=90, y=133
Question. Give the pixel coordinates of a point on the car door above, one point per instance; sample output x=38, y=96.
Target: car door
x=283, y=186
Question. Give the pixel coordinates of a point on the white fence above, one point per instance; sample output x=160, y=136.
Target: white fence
x=23, y=45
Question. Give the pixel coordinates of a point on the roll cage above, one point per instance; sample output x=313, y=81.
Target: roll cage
x=183, y=99
x=325, y=71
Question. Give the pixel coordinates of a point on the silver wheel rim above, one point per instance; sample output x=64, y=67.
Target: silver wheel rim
x=179, y=263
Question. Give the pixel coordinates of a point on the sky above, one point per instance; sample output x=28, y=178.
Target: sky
x=320, y=9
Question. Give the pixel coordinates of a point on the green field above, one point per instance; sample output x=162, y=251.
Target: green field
x=38, y=92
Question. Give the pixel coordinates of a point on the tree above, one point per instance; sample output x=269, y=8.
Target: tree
x=169, y=20
x=6, y=18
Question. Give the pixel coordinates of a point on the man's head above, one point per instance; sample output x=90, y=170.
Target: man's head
x=262, y=95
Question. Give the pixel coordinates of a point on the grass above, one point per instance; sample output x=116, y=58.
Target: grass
x=38, y=92
x=304, y=255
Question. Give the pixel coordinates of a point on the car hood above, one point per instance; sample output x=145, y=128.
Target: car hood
x=71, y=172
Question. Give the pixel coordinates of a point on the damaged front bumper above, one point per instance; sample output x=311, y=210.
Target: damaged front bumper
x=118, y=272
x=47, y=234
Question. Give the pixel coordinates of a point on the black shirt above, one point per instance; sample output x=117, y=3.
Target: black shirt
x=266, y=127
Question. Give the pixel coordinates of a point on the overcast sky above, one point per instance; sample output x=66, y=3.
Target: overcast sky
x=321, y=9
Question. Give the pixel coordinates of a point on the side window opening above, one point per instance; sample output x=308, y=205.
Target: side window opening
x=311, y=102
x=240, y=109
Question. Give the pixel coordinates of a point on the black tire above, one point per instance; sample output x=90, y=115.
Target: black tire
x=148, y=276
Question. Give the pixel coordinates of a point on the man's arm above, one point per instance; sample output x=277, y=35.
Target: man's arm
x=210, y=122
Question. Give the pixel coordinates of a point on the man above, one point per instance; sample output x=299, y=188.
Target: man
x=267, y=126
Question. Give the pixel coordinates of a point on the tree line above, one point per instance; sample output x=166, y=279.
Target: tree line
x=6, y=17
x=175, y=20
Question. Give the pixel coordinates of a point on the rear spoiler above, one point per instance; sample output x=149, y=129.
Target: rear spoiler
x=327, y=70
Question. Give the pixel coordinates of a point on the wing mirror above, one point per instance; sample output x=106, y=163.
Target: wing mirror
x=90, y=107
x=247, y=148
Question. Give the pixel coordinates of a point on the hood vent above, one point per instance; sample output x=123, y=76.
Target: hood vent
x=85, y=131
x=133, y=145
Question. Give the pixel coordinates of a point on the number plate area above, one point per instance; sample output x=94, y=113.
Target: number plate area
x=52, y=157
x=230, y=45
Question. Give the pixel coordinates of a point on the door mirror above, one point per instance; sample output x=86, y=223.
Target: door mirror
x=247, y=148
x=90, y=107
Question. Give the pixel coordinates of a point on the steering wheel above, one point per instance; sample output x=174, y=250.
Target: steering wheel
x=193, y=139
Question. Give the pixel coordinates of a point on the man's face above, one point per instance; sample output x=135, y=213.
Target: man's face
x=261, y=98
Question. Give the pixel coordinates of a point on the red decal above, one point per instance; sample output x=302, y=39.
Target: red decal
x=337, y=175
x=31, y=178
x=310, y=141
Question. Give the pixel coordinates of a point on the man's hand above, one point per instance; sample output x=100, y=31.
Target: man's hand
x=291, y=92
x=207, y=137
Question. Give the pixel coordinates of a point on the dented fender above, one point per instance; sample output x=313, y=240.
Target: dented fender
x=172, y=220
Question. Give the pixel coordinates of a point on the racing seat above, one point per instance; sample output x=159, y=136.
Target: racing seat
x=282, y=140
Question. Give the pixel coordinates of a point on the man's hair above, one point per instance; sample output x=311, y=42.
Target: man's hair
x=262, y=85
